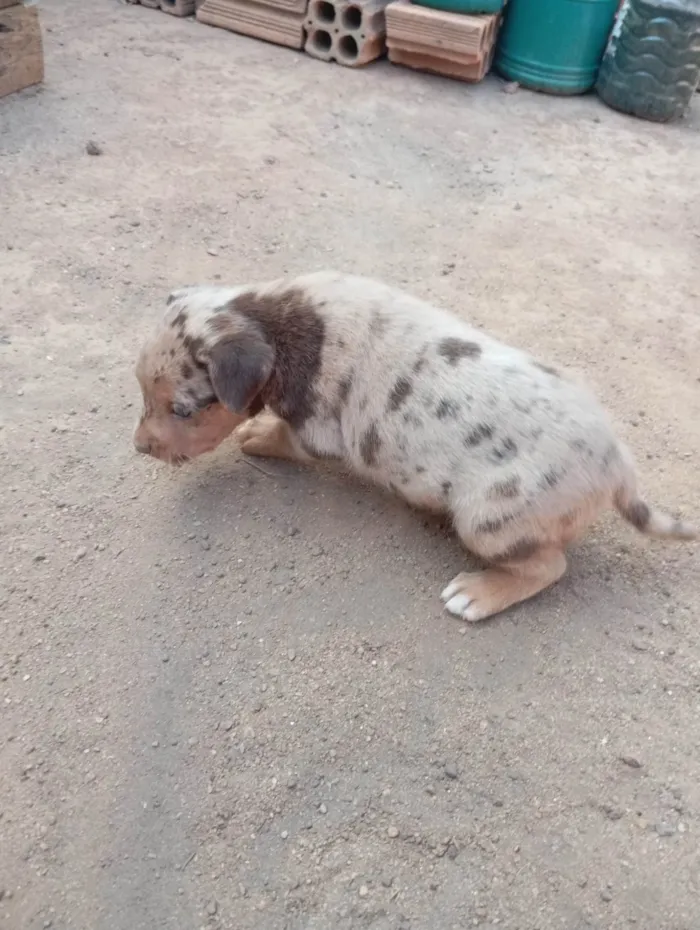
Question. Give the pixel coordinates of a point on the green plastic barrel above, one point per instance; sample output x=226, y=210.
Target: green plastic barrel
x=554, y=45
x=469, y=7
x=651, y=66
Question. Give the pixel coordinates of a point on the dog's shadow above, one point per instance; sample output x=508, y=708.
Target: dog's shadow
x=316, y=501
x=262, y=509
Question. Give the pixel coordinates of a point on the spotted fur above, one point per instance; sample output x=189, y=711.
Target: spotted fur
x=333, y=366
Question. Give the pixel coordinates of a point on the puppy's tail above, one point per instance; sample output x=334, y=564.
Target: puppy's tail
x=651, y=522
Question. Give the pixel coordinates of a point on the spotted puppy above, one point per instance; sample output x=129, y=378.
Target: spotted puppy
x=332, y=366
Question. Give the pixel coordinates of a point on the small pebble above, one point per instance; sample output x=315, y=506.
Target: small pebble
x=364, y=891
x=451, y=770
x=606, y=895
x=322, y=809
x=92, y=148
x=212, y=908
x=631, y=762
x=392, y=833
x=80, y=553
x=511, y=87
x=665, y=829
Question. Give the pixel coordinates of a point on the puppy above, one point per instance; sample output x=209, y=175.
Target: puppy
x=331, y=366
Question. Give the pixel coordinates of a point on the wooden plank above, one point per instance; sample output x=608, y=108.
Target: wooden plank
x=21, y=50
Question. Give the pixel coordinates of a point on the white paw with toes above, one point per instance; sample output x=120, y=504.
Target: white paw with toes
x=461, y=602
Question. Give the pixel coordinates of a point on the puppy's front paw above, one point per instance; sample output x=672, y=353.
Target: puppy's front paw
x=260, y=435
x=268, y=435
x=471, y=596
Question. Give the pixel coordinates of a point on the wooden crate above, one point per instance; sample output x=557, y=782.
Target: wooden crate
x=21, y=49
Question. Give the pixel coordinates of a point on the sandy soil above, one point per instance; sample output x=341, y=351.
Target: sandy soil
x=230, y=698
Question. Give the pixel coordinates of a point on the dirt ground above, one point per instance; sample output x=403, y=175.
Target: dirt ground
x=230, y=697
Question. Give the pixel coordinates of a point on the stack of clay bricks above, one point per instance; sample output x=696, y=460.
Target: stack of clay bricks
x=21, y=48
x=174, y=7
x=452, y=44
x=278, y=21
x=351, y=32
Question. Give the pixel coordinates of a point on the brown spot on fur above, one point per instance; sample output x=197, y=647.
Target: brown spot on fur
x=399, y=394
x=412, y=418
x=453, y=349
x=419, y=364
x=378, y=324
x=548, y=370
x=370, y=444
x=446, y=408
x=289, y=322
x=518, y=552
x=506, y=451
x=186, y=370
x=581, y=447
x=478, y=434
x=506, y=489
x=637, y=513
x=610, y=455
x=550, y=479
x=344, y=388
x=446, y=487
x=194, y=345
x=220, y=322
x=420, y=469
x=492, y=526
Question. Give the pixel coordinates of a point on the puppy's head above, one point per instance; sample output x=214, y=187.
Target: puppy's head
x=199, y=374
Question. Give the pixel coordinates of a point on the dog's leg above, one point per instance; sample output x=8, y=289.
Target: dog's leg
x=271, y=437
x=476, y=595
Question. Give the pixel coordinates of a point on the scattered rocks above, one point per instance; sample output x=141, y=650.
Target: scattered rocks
x=612, y=812
x=631, y=762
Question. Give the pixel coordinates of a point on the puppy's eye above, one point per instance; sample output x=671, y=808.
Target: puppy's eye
x=182, y=413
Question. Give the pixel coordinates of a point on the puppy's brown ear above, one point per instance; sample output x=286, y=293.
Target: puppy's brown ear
x=239, y=367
